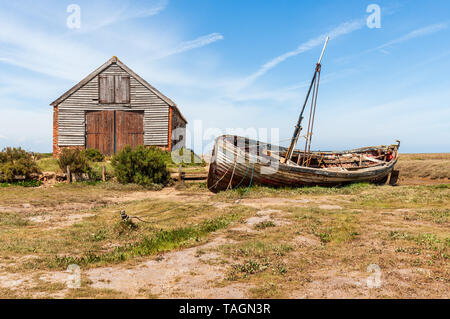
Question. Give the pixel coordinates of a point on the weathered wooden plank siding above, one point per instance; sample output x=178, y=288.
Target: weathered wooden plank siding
x=71, y=122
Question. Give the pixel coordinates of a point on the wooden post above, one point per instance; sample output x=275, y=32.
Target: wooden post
x=170, y=129
x=394, y=177
x=180, y=174
x=69, y=175
x=103, y=173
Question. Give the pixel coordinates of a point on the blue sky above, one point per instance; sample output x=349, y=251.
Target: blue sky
x=240, y=64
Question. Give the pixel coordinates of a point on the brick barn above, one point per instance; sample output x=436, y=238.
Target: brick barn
x=113, y=107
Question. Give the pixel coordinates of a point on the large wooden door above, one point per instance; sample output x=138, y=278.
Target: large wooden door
x=129, y=129
x=100, y=131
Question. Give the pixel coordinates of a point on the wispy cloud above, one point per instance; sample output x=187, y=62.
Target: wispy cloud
x=59, y=56
x=26, y=134
x=147, y=12
x=193, y=44
x=413, y=34
x=205, y=85
x=107, y=17
x=41, y=52
x=342, y=29
x=434, y=117
x=293, y=93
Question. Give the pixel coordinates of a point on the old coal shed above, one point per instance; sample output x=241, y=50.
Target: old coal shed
x=113, y=107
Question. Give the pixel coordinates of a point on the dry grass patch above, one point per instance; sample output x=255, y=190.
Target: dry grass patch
x=330, y=249
x=63, y=193
x=103, y=238
x=424, y=166
x=424, y=156
x=388, y=197
x=440, y=216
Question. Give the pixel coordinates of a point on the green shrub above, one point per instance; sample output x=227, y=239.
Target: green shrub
x=94, y=155
x=26, y=183
x=75, y=159
x=143, y=166
x=15, y=163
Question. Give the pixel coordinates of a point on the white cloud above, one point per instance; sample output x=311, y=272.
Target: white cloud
x=24, y=128
x=107, y=14
x=193, y=44
x=293, y=93
x=373, y=123
x=383, y=48
x=342, y=29
x=71, y=58
x=202, y=87
x=45, y=53
x=413, y=34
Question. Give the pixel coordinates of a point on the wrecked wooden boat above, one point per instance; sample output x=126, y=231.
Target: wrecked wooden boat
x=242, y=162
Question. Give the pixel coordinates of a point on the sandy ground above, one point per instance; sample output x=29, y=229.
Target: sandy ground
x=199, y=272
x=184, y=273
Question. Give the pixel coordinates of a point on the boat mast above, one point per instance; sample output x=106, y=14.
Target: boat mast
x=298, y=127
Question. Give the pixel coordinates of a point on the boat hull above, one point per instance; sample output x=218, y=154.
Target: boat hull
x=233, y=167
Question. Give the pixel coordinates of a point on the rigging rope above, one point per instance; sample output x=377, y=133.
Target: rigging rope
x=209, y=188
x=313, y=118
x=242, y=179
x=308, y=137
x=248, y=187
x=308, y=131
x=232, y=175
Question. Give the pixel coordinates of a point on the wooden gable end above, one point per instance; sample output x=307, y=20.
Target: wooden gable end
x=124, y=92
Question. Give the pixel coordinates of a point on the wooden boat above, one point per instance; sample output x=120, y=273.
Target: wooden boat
x=241, y=162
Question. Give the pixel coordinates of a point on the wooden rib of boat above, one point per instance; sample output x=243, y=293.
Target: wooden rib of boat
x=241, y=162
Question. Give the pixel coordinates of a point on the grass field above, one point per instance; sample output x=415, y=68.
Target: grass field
x=50, y=164
x=355, y=241
x=415, y=167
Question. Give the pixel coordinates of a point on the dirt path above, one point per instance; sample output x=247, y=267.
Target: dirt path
x=67, y=214
x=196, y=272
x=168, y=193
x=185, y=273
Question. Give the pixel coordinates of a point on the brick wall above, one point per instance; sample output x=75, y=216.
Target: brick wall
x=56, y=149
